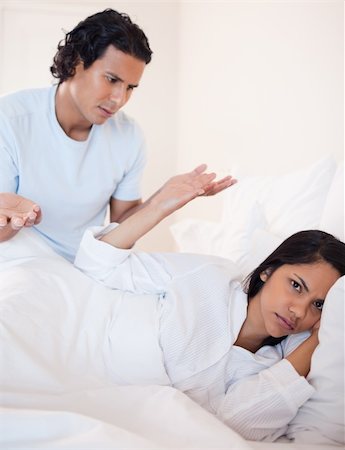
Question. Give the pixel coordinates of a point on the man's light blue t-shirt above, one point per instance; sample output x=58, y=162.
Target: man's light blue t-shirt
x=72, y=181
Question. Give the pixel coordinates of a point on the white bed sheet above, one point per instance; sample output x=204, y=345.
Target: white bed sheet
x=118, y=417
x=121, y=417
x=60, y=385
x=48, y=310
x=285, y=445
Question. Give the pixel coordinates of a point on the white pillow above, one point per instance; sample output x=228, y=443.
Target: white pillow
x=332, y=219
x=290, y=202
x=231, y=242
x=262, y=244
x=321, y=418
x=281, y=205
x=197, y=236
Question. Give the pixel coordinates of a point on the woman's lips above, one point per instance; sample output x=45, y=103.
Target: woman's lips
x=285, y=323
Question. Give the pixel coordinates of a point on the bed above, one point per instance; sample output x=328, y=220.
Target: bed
x=48, y=309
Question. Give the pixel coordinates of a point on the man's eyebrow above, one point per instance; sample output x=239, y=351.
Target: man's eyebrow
x=120, y=79
x=302, y=282
x=112, y=74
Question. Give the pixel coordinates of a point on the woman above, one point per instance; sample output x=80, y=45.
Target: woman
x=243, y=354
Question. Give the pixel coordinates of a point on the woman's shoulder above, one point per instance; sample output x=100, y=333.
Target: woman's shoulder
x=183, y=264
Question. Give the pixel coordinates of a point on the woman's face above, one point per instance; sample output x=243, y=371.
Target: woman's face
x=292, y=297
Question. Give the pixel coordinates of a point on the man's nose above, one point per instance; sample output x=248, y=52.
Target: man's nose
x=119, y=94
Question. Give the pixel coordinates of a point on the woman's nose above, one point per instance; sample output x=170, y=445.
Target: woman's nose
x=298, y=310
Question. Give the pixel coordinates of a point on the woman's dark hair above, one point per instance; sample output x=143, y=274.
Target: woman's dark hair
x=90, y=38
x=304, y=247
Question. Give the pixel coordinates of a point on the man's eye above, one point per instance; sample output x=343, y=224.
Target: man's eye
x=296, y=285
x=111, y=79
x=318, y=304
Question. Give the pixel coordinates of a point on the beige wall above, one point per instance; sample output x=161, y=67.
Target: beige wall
x=260, y=86
x=253, y=84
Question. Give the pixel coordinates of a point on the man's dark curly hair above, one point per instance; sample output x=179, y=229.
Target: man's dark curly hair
x=89, y=40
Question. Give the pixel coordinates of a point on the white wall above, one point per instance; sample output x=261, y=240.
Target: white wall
x=260, y=87
x=254, y=84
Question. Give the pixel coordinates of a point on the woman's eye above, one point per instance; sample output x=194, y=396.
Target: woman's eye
x=318, y=304
x=296, y=285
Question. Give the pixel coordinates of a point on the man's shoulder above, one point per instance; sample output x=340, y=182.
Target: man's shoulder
x=25, y=101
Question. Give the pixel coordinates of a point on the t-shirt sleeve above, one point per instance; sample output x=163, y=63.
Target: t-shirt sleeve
x=129, y=188
x=8, y=166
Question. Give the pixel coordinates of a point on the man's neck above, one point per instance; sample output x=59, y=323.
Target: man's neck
x=68, y=117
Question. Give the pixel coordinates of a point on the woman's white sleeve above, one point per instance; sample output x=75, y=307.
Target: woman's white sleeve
x=116, y=268
x=261, y=406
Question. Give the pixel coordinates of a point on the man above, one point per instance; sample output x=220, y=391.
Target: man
x=67, y=150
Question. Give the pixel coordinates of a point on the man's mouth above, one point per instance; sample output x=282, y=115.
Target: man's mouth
x=106, y=112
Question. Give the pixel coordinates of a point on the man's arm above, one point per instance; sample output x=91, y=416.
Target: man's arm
x=16, y=212
x=121, y=210
x=174, y=194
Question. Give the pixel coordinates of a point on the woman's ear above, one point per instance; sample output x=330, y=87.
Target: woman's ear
x=264, y=275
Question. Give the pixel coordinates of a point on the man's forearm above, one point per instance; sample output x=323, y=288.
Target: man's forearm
x=133, y=227
x=173, y=195
x=130, y=212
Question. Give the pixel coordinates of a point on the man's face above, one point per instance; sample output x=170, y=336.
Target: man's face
x=99, y=91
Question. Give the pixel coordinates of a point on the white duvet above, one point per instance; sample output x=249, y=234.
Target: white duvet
x=60, y=380
x=118, y=417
